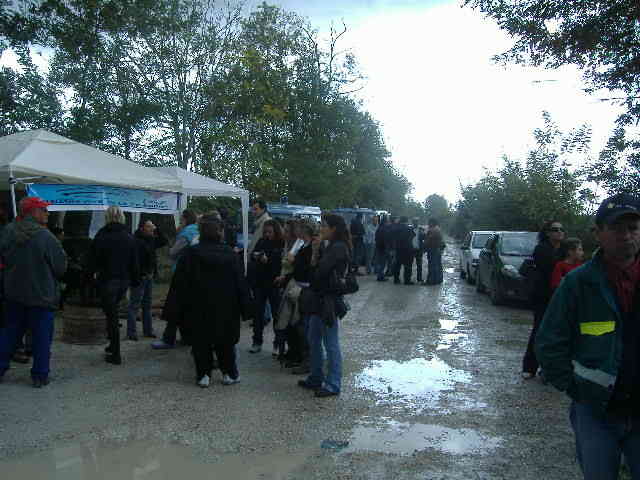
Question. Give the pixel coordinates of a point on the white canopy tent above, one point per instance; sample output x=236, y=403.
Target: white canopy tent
x=196, y=185
x=39, y=154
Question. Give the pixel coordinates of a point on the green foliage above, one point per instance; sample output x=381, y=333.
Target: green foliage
x=437, y=207
x=258, y=101
x=602, y=38
x=524, y=195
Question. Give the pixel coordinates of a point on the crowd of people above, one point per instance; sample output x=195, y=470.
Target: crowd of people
x=387, y=244
x=295, y=278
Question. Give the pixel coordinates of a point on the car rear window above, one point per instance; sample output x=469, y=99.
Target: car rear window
x=518, y=244
x=480, y=239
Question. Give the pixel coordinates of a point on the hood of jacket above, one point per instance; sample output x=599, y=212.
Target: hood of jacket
x=26, y=229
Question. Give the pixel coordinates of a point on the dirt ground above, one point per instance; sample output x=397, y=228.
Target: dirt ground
x=431, y=390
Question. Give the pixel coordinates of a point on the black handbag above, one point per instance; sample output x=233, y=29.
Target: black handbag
x=346, y=285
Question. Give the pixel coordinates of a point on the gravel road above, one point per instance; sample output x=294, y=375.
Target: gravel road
x=432, y=390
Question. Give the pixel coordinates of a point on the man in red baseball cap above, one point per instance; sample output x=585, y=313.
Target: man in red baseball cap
x=34, y=262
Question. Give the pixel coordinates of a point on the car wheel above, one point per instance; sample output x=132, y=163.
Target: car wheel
x=479, y=286
x=470, y=279
x=494, y=293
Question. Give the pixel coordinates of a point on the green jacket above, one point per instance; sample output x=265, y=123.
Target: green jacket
x=579, y=344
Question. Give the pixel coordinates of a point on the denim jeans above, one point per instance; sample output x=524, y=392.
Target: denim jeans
x=40, y=321
x=381, y=263
x=320, y=335
x=434, y=274
x=601, y=439
x=265, y=296
x=140, y=296
x=369, y=253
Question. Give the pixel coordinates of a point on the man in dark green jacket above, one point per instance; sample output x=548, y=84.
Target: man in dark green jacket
x=589, y=344
x=34, y=263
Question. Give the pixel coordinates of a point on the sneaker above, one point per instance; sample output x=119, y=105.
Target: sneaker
x=20, y=357
x=133, y=338
x=204, y=382
x=303, y=369
x=255, y=349
x=308, y=386
x=161, y=345
x=40, y=382
x=324, y=393
x=227, y=380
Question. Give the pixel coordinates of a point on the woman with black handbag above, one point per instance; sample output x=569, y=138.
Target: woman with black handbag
x=324, y=306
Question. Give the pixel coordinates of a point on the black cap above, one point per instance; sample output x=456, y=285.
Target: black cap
x=616, y=206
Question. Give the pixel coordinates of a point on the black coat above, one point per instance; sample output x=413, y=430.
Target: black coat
x=357, y=231
x=147, y=254
x=263, y=274
x=113, y=255
x=381, y=234
x=209, y=292
x=545, y=258
x=404, y=237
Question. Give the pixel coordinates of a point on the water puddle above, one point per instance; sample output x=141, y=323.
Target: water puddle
x=416, y=383
x=407, y=438
x=448, y=324
x=147, y=461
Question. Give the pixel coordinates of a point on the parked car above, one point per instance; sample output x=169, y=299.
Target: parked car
x=499, y=263
x=470, y=253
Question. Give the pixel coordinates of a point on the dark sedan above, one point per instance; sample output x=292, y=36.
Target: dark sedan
x=500, y=261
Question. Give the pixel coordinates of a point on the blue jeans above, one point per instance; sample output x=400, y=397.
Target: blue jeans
x=140, y=296
x=40, y=321
x=600, y=441
x=320, y=335
x=369, y=253
x=434, y=257
x=381, y=263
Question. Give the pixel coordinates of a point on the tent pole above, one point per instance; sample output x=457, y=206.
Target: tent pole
x=12, y=187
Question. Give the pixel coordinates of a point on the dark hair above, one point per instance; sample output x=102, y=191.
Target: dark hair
x=404, y=219
x=543, y=234
x=342, y=232
x=211, y=228
x=567, y=245
x=261, y=203
x=189, y=216
x=308, y=228
x=224, y=212
x=277, y=230
x=433, y=222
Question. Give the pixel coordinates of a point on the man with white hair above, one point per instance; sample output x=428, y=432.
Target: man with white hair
x=113, y=259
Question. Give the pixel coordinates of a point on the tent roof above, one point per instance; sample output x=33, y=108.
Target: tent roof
x=198, y=185
x=42, y=153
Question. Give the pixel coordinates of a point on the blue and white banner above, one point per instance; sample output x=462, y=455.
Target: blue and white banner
x=99, y=197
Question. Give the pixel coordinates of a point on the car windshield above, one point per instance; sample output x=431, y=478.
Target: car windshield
x=480, y=239
x=518, y=244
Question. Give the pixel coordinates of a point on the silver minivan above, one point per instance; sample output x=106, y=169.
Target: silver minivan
x=470, y=249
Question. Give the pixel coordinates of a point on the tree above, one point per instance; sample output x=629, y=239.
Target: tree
x=437, y=207
x=523, y=195
x=599, y=36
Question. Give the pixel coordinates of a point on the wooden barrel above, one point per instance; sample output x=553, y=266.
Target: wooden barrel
x=84, y=325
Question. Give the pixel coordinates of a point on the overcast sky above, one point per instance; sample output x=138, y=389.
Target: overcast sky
x=446, y=109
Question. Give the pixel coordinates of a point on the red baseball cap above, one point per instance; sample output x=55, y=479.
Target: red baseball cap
x=29, y=204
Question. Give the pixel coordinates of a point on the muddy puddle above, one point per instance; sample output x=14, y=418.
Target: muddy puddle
x=407, y=438
x=145, y=461
x=416, y=383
